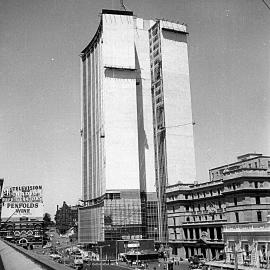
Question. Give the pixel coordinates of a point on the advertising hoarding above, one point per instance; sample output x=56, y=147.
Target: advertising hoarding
x=22, y=201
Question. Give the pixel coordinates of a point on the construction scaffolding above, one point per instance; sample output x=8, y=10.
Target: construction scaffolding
x=119, y=216
x=123, y=219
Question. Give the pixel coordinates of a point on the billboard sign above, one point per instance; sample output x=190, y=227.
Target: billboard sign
x=22, y=201
x=133, y=244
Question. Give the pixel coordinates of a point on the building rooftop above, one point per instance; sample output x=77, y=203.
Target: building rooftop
x=190, y=186
x=248, y=156
x=242, y=158
x=117, y=12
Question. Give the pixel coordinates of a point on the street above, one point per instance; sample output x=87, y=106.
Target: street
x=183, y=265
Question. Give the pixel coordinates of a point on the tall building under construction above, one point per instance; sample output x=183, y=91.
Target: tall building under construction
x=137, y=131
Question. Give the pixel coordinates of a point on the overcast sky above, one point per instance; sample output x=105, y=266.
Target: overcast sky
x=40, y=42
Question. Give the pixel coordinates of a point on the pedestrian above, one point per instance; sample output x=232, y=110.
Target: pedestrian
x=204, y=267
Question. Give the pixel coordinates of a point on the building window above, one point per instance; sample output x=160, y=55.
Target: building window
x=205, y=217
x=259, y=216
x=234, y=187
x=193, y=207
x=268, y=164
x=258, y=200
x=188, y=219
x=205, y=207
x=211, y=192
x=200, y=218
x=186, y=196
x=235, y=201
x=220, y=216
x=219, y=204
x=256, y=184
x=255, y=164
x=218, y=191
x=237, y=217
x=187, y=208
x=199, y=207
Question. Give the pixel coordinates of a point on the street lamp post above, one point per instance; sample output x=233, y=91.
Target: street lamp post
x=101, y=257
x=137, y=256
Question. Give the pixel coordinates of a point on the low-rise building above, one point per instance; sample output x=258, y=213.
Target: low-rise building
x=24, y=232
x=22, y=215
x=237, y=193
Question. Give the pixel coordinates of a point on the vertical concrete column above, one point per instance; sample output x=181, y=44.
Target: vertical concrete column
x=199, y=251
x=208, y=232
x=215, y=253
x=194, y=233
x=195, y=251
x=200, y=232
x=188, y=234
x=188, y=253
x=208, y=254
x=215, y=234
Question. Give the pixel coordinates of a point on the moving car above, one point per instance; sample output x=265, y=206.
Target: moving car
x=55, y=256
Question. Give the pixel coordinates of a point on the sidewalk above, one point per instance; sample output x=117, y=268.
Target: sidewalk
x=159, y=265
x=225, y=266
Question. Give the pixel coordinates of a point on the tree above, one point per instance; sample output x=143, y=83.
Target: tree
x=47, y=219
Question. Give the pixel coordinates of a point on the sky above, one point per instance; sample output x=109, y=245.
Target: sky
x=40, y=43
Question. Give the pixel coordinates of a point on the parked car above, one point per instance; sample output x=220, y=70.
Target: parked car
x=201, y=259
x=78, y=262
x=197, y=259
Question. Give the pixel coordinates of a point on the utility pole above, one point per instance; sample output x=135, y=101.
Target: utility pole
x=116, y=252
x=2, y=225
x=100, y=252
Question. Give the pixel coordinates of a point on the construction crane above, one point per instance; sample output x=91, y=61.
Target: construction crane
x=122, y=5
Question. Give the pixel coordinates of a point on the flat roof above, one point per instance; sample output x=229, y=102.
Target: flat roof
x=249, y=155
x=117, y=12
x=239, y=162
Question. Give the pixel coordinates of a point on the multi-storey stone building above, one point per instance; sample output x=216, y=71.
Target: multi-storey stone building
x=24, y=232
x=248, y=244
x=66, y=217
x=237, y=193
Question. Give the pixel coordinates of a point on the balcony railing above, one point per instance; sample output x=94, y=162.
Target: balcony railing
x=262, y=227
x=245, y=172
